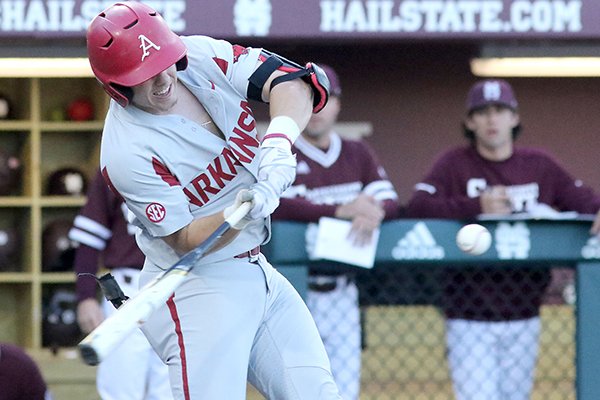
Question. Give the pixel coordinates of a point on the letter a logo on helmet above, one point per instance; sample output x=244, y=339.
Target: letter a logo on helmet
x=114, y=40
x=146, y=45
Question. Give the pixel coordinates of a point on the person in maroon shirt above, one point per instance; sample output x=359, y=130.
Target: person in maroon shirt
x=493, y=324
x=337, y=178
x=20, y=376
x=133, y=370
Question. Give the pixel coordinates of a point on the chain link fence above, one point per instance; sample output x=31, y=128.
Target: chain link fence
x=405, y=352
x=407, y=336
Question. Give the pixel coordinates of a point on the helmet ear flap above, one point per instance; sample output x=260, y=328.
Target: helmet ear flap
x=125, y=92
x=182, y=64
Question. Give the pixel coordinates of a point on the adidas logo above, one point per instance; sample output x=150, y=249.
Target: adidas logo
x=418, y=244
x=591, y=248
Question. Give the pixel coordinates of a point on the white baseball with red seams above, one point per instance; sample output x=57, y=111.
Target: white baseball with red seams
x=474, y=239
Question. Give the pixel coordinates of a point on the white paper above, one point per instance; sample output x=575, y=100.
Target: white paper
x=332, y=243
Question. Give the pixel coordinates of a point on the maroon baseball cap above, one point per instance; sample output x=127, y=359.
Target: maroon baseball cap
x=491, y=91
x=334, y=82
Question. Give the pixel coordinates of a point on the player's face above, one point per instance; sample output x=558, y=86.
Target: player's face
x=322, y=123
x=158, y=94
x=493, y=127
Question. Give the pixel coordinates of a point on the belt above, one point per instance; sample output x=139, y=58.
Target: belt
x=250, y=253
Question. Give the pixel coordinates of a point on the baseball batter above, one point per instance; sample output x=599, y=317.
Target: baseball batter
x=339, y=178
x=133, y=371
x=180, y=146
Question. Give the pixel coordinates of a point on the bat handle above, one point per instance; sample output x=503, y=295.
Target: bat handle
x=239, y=213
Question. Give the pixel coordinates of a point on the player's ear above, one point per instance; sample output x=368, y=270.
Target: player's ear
x=469, y=123
x=334, y=103
x=516, y=119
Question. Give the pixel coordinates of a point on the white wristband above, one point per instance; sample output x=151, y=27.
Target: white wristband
x=281, y=128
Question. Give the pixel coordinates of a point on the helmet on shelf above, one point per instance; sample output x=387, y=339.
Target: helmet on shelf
x=10, y=173
x=59, y=325
x=67, y=181
x=10, y=248
x=58, y=251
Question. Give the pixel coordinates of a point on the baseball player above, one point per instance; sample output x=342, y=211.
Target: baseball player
x=180, y=146
x=133, y=371
x=338, y=178
x=493, y=322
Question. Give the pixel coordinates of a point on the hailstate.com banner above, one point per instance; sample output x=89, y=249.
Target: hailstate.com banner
x=411, y=19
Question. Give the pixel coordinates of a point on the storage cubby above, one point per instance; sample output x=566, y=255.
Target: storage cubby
x=45, y=136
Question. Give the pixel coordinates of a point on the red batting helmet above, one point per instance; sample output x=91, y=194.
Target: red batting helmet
x=129, y=43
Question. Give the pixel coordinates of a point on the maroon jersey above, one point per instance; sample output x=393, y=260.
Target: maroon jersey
x=451, y=190
x=104, y=235
x=20, y=377
x=327, y=179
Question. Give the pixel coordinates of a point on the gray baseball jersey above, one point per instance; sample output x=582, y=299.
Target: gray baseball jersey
x=169, y=172
x=234, y=317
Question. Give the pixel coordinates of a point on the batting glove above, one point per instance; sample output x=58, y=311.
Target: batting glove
x=265, y=200
x=242, y=196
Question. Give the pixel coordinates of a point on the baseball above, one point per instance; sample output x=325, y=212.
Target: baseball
x=474, y=239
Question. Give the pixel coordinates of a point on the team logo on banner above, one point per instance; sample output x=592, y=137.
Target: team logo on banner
x=252, y=17
x=591, y=248
x=513, y=242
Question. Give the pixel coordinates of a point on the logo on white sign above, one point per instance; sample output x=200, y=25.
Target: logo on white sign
x=512, y=241
x=591, y=248
x=252, y=17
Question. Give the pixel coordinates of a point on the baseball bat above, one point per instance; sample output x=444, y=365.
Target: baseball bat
x=135, y=311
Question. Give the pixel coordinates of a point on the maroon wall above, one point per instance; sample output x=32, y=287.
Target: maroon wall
x=414, y=96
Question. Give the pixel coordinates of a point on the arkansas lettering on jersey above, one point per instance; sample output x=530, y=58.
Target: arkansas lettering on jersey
x=242, y=148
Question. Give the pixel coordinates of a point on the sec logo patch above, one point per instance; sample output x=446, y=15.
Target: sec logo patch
x=155, y=212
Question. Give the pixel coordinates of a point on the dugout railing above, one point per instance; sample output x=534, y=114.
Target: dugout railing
x=427, y=245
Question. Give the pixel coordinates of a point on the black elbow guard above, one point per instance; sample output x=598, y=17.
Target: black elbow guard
x=311, y=74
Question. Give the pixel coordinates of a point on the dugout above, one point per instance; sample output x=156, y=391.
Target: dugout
x=404, y=66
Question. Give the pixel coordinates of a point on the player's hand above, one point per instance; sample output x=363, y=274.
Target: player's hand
x=243, y=196
x=362, y=230
x=363, y=205
x=495, y=200
x=265, y=200
x=89, y=315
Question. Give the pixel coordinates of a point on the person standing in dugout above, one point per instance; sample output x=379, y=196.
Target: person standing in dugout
x=180, y=146
x=337, y=178
x=133, y=370
x=493, y=322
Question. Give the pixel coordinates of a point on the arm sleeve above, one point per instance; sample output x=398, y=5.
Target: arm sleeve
x=86, y=261
x=377, y=183
x=91, y=229
x=152, y=193
x=433, y=196
x=571, y=194
x=235, y=61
